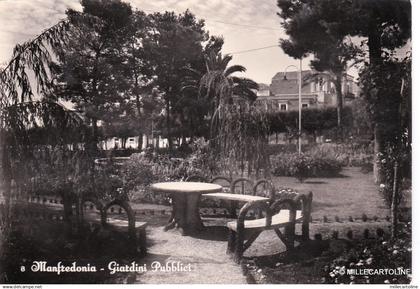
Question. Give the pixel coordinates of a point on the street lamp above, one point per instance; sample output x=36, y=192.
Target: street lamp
x=300, y=102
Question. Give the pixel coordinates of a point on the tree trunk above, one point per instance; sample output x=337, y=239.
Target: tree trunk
x=374, y=44
x=394, y=203
x=139, y=113
x=396, y=194
x=339, y=92
x=140, y=142
x=94, y=142
x=68, y=212
x=79, y=214
x=168, y=127
x=6, y=176
x=147, y=141
x=378, y=174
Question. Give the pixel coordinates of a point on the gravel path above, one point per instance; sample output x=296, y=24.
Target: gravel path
x=205, y=253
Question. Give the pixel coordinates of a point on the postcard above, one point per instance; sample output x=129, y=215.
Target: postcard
x=215, y=142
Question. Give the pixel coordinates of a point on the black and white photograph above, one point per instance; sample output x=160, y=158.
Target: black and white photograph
x=206, y=142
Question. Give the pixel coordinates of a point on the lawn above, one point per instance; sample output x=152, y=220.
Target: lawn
x=352, y=194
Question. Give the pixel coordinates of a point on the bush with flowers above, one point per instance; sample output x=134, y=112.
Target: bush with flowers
x=387, y=161
x=363, y=263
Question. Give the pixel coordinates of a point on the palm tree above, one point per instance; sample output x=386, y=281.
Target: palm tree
x=219, y=83
x=221, y=87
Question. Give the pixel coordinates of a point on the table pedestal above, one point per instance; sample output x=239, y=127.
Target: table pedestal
x=185, y=213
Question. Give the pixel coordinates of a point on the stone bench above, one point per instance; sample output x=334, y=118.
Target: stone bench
x=242, y=232
x=136, y=230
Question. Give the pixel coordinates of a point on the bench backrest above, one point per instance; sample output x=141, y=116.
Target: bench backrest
x=242, y=186
x=263, y=188
x=225, y=182
x=196, y=178
x=103, y=208
x=129, y=211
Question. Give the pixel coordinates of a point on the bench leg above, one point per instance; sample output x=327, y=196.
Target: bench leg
x=232, y=209
x=231, y=242
x=132, y=244
x=287, y=238
x=142, y=245
x=305, y=230
x=251, y=240
x=239, y=248
x=171, y=224
x=237, y=245
x=290, y=231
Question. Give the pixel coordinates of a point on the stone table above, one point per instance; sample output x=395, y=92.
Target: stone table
x=185, y=203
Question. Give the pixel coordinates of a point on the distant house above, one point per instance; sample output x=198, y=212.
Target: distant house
x=317, y=91
x=117, y=143
x=263, y=90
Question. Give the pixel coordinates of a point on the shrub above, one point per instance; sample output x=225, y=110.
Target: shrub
x=351, y=154
x=305, y=165
x=300, y=167
x=325, y=167
x=143, y=169
x=137, y=171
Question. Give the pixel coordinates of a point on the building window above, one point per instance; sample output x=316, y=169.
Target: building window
x=305, y=105
x=283, y=106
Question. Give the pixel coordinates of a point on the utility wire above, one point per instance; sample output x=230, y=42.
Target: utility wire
x=245, y=25
x=17, y=32
x=254, y=49
x=223, y=22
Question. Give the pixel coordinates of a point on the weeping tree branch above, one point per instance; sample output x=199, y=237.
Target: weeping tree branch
x=31, y=57
x=30, y=119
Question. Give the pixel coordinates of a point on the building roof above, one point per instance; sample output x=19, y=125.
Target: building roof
x=291, y=75
x=290, y=85
x=263, y=86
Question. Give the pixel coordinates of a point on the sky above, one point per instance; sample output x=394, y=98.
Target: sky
x=244, y=24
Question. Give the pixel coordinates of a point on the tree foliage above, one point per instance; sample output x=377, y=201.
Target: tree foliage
x=391, y=111
x=31, y=57
x=382, y=26
x=241, y=140
x=320, y=28
x=221, y=88
x=90, y=69
x=175, y=45
x=30, y=117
